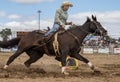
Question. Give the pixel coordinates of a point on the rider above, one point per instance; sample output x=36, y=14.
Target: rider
x=61, y=17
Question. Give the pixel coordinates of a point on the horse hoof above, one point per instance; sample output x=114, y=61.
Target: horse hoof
x=66, y=73
x=5, y=67
x=96, y=71
x=27, y=65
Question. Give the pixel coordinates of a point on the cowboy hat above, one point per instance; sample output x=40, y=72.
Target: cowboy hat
x=67, y=3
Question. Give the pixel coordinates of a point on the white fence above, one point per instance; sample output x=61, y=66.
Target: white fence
x=8, y=50
x=116, y=50
x=101, y=51
x=84, y=50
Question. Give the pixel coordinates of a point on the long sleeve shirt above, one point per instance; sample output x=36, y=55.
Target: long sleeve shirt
x=61, y=17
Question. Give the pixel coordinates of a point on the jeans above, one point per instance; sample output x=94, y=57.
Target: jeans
x=53, y=30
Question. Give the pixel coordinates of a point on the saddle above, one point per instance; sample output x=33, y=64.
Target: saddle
x=60, y=30
x=43, y=41
x=42, y=31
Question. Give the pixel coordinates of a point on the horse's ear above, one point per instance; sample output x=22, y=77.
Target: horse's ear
x=94, y=18
x=88, y=19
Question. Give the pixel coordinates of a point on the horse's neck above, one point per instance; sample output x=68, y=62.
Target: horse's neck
x=81, y=32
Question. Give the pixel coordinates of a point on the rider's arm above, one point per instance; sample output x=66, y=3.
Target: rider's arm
x=69, y=23
x=57, y=18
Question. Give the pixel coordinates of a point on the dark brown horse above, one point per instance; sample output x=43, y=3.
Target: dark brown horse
x=70, y=42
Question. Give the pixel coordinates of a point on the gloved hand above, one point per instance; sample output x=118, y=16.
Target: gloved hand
x=62, y=27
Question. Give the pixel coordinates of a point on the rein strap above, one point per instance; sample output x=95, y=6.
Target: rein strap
x=56, y=45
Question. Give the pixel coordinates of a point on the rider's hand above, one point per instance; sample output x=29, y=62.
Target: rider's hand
x=62, y=27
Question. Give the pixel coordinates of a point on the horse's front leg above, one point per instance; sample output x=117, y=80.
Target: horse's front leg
x=63, y=61
x=81, y=58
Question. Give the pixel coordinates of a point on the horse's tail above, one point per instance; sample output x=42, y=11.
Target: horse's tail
x=10, y=43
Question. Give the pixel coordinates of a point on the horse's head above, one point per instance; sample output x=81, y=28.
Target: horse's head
x=96, y=27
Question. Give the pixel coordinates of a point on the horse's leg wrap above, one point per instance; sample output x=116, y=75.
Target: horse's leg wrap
x=5, y=67
x=90, y=64
x=95, y=69
x=65, y=70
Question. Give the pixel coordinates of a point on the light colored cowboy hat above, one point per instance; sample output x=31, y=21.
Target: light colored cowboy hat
x=67, y=3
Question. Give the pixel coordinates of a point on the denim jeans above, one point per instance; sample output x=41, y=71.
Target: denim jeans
x=53, y=30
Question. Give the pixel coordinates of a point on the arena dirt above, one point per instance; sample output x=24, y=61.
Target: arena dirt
x=47, y=70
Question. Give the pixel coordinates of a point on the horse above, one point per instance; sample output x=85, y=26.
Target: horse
x=70, y=42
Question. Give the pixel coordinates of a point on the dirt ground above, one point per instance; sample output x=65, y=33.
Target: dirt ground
x=47, y=70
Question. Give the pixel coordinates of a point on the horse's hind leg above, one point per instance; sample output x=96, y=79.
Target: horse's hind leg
x=13, y=57
x=34, y=56
x=81, y=58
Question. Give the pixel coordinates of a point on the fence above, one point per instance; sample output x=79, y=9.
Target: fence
x=104, y=50
x=8, y=50
x=85, y=50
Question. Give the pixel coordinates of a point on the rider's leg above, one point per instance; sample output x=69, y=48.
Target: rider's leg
x=54, y=29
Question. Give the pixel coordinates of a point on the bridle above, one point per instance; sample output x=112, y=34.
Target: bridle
x=97, y=28
x=94, y=31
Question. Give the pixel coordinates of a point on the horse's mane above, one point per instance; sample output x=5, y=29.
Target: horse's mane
x=71, y=29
